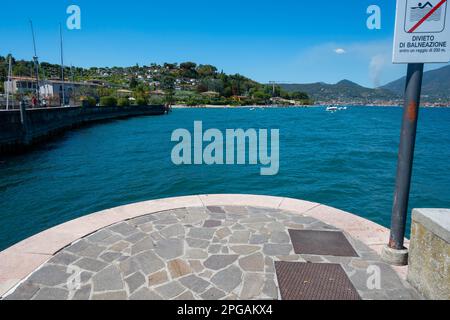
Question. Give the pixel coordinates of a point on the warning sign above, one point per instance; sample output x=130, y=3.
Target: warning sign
x=422, y=33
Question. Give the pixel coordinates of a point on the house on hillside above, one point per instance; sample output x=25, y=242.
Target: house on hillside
x=49, y=90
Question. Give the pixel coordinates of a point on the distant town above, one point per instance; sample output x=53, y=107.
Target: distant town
x=187, y=84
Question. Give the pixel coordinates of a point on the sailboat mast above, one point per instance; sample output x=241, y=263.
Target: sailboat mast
x=62, y=66
x=9, y=82
x=36, y=63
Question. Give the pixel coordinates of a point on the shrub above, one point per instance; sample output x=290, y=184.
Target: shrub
x=156, y=101
x=123, y=102
x=108, y=101
x=88, y=102
x=141, y=102
x=197, y=100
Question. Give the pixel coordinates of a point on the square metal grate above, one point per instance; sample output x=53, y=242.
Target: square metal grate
x=326, y=243
x=312, y=281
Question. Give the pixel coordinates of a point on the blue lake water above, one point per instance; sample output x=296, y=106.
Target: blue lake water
x=345, y=159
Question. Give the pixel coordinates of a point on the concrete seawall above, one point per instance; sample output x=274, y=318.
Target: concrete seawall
x=17, y=134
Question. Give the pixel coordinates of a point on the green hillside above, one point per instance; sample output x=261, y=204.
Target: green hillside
x=344, y=91
x=436, y=85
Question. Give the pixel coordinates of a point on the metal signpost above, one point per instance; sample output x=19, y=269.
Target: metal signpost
x=422, y=35
x=63, y=101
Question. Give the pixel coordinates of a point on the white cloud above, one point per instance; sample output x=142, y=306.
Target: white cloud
x=340, y=51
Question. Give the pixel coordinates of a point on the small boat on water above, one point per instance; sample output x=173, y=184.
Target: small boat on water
x=335, y=109
x=332, y=109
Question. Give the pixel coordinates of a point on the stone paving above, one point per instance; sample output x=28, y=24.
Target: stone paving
x=195, y=254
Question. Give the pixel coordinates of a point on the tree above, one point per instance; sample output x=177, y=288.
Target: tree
x=227, y=92
x=108, y=101
x=170, y=66
x=261, y=97
x=168, y=82
x=206, y=70
x=140, y=91
x=299, y=95
x=133, y=83
x=202, y=87
x=3, y=71
x=170, y=97
x=188, y=65
x=187, y=70
x=123, y=102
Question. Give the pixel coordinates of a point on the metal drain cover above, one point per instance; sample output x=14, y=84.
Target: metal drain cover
x=325, y=243
x=312, y=281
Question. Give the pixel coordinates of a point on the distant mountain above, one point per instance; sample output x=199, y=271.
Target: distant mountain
x=436, y=85
x=344, y=91
x=436, y=88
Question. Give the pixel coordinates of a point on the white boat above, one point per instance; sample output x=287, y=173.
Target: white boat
x=332, y=109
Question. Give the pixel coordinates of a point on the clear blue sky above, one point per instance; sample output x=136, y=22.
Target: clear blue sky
x=284, y=40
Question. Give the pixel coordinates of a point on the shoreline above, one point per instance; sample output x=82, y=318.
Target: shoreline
x=39, y=125
x=178, y=106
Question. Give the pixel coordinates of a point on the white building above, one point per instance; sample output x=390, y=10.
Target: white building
x=48, y=89
x=20, y=85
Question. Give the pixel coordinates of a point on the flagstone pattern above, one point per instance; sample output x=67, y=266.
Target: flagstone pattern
x=204, y=253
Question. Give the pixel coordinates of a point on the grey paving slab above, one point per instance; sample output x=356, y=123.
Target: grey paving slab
x=135, y=281
x=50, y=275
x=170, y=290
x=169, y=249
x=252, y=263
x=64, y=258
x=110, y=296
x=123, y=229
x=213, y=294
x=84, y=293
x=201, y=233
x=148, y=262
x=217, y=262
x=277, y=249
x=145, y=294
x=110, y=256
x=109, y=279
x=145, y=244
x=194, y=283
x=228, y=279
x=51, y=294
x=25, y=291
x=90, y=264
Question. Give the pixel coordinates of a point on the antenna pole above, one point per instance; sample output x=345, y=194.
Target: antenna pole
x=71, y=73
x=62, y=67
x=36, y=63
x=9, y=82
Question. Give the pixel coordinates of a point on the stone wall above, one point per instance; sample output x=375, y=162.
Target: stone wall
x=429, y=259
x=39, y=124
